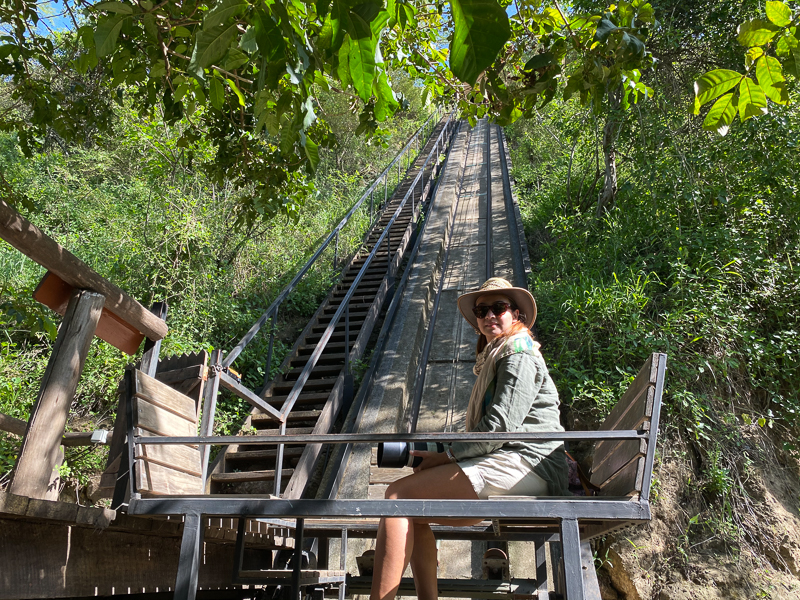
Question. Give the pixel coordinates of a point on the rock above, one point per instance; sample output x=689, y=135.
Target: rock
x=619, y=577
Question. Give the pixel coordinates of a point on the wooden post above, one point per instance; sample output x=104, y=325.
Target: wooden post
x=42, y=442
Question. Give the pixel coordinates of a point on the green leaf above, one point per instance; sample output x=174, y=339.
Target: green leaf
x=216, y=93
x=752, y=55
x=771, y=79
x=235, y=90
x=344, y=62
x=119, y=8
x=210, y=47
x=779, y=13
x=361, y=60
x=713, y=84
x=540, y=61
x=756, y=32
x=387, y=102
x=223, y=11
x=786, y=43
x=604, y=29
x=157, y=70
x=268, y=35
x=752, y=100
x=234, y=59
x=312, y=152
x=480, y=31
x=721, y=115
x=105, y=37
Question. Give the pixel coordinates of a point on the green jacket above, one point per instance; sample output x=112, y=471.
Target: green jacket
x=523, y=397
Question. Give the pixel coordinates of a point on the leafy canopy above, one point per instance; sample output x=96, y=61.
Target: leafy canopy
x=245, y=74
x=772, y=48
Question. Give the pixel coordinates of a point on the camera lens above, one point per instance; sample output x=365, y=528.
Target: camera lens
x=395, y=455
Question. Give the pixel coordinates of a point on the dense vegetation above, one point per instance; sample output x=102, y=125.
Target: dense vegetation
x=143, y=217
x=698, y=259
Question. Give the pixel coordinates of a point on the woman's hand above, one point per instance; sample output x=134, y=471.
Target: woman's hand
x=429, y=459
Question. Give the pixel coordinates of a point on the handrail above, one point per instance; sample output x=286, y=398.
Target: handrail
x=345, y=303
x=375, y=438
x=253, y=331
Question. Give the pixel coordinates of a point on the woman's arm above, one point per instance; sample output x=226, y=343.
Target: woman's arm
x=518, y=383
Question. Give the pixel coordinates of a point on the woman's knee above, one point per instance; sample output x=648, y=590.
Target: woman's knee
x=394, y=491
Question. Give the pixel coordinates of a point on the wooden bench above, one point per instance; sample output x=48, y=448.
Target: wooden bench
x=621, y=471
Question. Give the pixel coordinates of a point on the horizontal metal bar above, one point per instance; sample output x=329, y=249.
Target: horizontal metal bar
x=547, y=508
x=244, y=393
x=237, y=350
x=372, y=438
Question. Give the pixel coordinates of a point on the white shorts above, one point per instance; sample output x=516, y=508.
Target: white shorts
x=503, y=473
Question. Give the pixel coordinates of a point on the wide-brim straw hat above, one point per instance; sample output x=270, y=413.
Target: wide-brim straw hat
x=522, y=298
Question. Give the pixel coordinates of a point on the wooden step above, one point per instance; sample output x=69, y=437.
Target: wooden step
x=305, y=399
x=260, y=420
x=246, y=476
x=309, y=349
x=312, y=385
x=337, y=336
x=355, y=324
x=317, y=371
x=241, y=455
x=327, y=358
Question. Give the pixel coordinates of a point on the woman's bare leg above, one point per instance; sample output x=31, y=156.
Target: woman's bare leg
x=424, y=562
x=397, y=545
x=392, y=553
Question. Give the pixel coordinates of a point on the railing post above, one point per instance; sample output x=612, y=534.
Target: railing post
x=279, y=461
x=336, y=250
x=209, y=408
x=271, y=346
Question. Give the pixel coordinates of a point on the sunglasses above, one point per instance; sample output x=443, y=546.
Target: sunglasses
x=497, y=308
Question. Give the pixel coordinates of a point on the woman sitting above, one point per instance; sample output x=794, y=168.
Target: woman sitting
x=513, y=392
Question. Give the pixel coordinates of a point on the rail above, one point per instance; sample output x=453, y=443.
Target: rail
x=272, y=310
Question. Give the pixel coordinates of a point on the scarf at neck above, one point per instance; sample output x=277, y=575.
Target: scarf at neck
x=486, y=370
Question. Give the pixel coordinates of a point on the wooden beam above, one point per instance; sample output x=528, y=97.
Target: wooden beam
x=17, y=427
x=12, y=425
x=42, y=442
x=32, y=241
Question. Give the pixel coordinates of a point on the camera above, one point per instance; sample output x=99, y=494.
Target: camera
x=396, y=455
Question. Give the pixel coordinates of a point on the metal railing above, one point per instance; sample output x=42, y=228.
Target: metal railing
x=219, y=374
x=272, y=312
x=344, y=305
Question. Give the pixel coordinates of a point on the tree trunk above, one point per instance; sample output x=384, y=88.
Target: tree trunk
x=610, y=134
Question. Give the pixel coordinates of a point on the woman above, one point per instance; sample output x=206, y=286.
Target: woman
x=513, y=392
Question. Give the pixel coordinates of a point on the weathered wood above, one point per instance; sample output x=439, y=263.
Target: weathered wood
x=616, y=458
x=158, y=479
x=12, y=425
x=380, y=476
x=182, y=458
x=164, y=397
x=55, y=293
x=31, y=241
x=17, y=427
x=41, y=445
x=53, y=560
x=246, y=476
x=626, y=481
x=159, y=409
